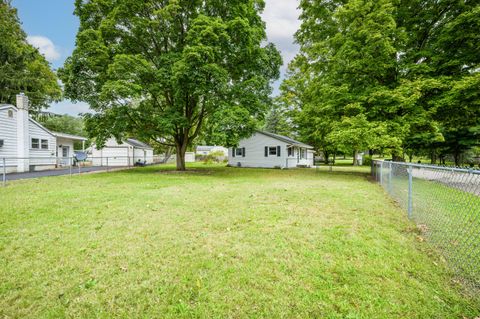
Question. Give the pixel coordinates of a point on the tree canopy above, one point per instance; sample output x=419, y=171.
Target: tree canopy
x=22, y=67
x=168, y=71
x=64, y=124
x=395, y=76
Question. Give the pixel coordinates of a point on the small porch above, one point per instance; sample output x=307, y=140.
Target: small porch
x=66, y=146
x=299, y=156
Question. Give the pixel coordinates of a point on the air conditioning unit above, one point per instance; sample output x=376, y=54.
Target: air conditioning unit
x=1, y=143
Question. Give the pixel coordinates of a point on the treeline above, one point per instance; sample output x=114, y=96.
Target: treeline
x=392, y=77
x=22, y=67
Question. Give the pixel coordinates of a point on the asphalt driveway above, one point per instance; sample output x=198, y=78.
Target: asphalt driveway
x=57, y=172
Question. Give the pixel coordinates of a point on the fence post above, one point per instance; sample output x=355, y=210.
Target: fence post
x=410, y=191
x=107, y=163
x=4, y=179
x=389, y=177
x=71, y=164
x=381, y=173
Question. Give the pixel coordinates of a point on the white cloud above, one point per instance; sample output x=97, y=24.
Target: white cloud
x=45, y=46
x=282, y=22
x=281, y=17
x=70, y=108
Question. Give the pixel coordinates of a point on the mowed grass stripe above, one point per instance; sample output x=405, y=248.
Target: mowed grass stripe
x=216, y=242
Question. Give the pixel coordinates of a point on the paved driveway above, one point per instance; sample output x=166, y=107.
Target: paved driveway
x=56, y=172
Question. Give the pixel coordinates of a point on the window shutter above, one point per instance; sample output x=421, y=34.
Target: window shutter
x=243, y=152
x=233, y=152
x=278, y=151
x=266, y=151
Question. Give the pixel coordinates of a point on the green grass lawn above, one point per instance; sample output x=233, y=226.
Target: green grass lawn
x=449, y=218
x=216, y=242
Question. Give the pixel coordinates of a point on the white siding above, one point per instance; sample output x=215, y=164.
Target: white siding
x=65, y=142
x=255, y=153
x=40, y=157
x=120, y=154
x=8, y=133
x=61, y=143
x=189, y=157
x=111, y=155
x=143, y=154
x=311, y=158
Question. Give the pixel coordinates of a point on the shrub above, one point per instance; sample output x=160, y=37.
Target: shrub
x=214, y=157
x=367, y=160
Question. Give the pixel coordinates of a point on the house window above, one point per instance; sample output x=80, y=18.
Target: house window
x=10, y=113
x=35, y=143
x=272, y=150
x=302, y=153
x=239, y=152
x=290, y=151
x=44, y=144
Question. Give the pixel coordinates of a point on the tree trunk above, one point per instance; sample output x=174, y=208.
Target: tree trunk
x=326, y=156
x=456, y=157
x=168, y=154
x=372, y=166
x=433, y=158
x=397, y=158
x=181, y=150
x=355, y=153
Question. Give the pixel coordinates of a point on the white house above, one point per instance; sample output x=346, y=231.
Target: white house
x=126, y=153
x=26, y=145
x=268, y=150
x=207, y=150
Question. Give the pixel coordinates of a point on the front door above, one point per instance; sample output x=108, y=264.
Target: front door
x=64, y=160
x=65, y=151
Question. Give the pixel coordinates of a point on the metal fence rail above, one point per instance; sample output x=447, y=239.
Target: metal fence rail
x=14, y=168
x=445, y=204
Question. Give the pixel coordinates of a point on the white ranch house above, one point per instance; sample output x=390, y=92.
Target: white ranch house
x=268, y=150
x=205, y=150
x=28, y=146
x=126, y=153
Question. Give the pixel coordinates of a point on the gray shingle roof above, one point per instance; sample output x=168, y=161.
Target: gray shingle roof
x=70, y=136
x=285, y=139
x=137, y=143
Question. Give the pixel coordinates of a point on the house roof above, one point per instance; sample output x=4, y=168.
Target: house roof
x=204, y=148
x=56, y=134
x=207, y=148
x=69, y=136
x=285, y=139
x=137, y=143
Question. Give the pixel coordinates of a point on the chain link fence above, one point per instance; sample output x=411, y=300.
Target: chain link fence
x=15, y=168
x=444, y=202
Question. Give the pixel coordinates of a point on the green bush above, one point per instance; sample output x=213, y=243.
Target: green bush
x=367, y=160
x=214, y=157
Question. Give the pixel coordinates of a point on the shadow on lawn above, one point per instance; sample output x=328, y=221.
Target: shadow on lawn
x=223, y=171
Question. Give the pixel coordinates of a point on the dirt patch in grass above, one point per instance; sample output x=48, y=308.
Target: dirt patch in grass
x=196, y=171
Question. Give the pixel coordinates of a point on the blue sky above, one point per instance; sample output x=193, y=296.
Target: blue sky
x=52, y=27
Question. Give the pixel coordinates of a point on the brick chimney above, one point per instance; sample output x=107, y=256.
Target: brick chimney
x=23, y=136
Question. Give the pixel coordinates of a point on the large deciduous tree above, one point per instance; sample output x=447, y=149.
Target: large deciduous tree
x=22, y=67
x=408, y=67
x=170, y=70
